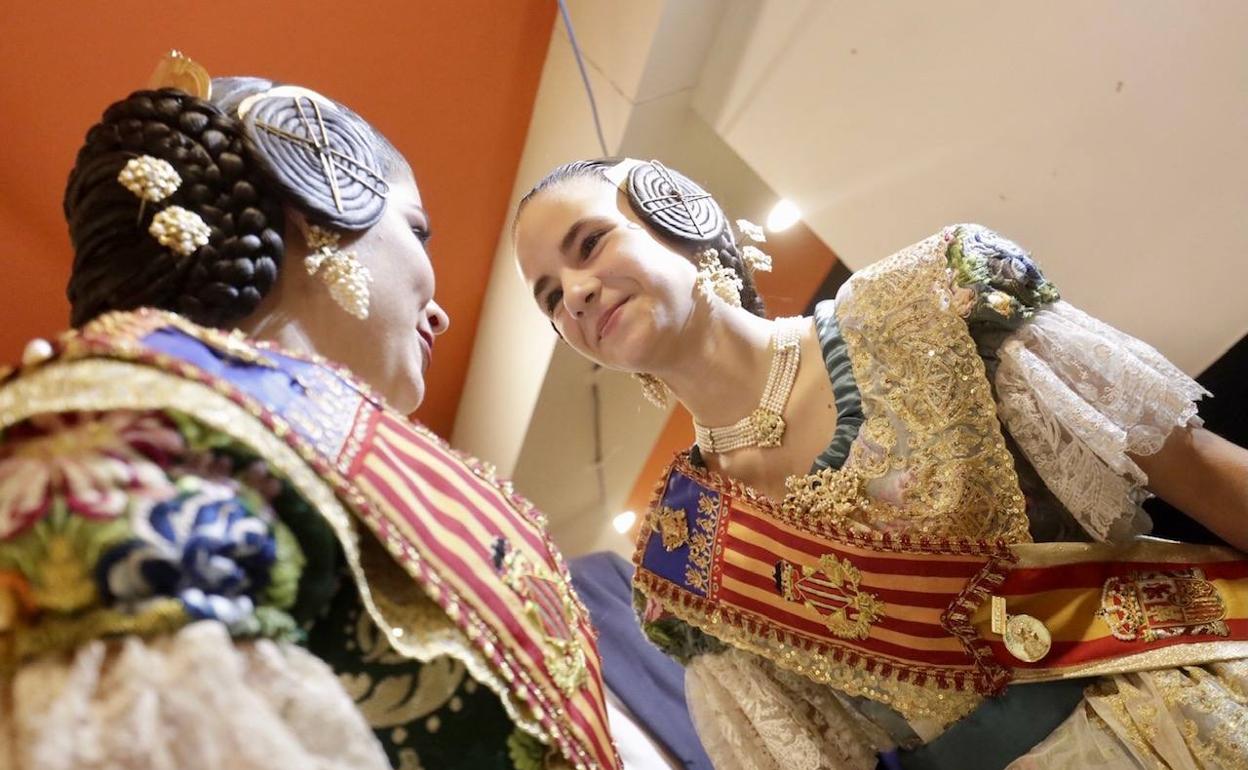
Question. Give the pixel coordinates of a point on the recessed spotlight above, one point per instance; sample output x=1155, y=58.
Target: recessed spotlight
x=623, y=522
x=783, y=215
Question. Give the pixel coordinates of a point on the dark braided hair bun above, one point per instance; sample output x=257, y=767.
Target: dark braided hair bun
x=119, y=265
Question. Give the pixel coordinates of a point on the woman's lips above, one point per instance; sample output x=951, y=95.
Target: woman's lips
x=426, y=342
x=607, y=322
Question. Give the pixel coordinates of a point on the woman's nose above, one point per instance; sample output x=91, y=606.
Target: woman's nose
x=439, y=321
x=581, y=294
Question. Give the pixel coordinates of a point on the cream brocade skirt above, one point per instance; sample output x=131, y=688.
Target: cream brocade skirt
x=192, y=700
x=1193, y=718
x=752, y=717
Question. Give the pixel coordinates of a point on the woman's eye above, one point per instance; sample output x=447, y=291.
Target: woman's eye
x=552, y=301
x=422, y=235
x=588, y=243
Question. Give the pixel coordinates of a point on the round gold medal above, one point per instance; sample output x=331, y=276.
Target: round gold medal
x=1026, y=638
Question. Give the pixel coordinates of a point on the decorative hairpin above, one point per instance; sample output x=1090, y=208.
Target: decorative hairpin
x=179, y=230
x=755, y=259
x=750, y=230
x=153, y=179
x=177, y=70
x=321, y=151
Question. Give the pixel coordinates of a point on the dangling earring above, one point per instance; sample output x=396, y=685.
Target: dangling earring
x=345, y=276
x=715, y=279
x=653, y=389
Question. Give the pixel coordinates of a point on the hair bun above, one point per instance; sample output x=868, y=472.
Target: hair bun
x=322, y=155
x=118, y=264
x=674, y=204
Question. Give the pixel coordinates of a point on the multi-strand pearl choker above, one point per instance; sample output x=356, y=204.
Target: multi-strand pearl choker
x=764, y=427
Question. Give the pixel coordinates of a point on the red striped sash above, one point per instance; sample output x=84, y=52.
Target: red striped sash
x=916, y=609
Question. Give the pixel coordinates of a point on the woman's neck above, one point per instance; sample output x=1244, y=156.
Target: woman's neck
x=719, y=366
x=273, y=322
x=284, y=331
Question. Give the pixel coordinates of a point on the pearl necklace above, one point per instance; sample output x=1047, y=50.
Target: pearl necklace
x=764, y=427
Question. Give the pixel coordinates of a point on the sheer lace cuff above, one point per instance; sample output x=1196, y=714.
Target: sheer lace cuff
x=1078, y=396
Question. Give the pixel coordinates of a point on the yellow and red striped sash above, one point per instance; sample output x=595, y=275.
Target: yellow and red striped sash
x=484, y=551
x=919, y=609
x=1115, y=608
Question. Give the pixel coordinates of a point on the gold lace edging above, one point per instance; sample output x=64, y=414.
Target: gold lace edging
x=928, y=407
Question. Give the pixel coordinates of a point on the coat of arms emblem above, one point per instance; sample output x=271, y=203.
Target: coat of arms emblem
x=832, y=590
x=1158, y=604
x=550, y=607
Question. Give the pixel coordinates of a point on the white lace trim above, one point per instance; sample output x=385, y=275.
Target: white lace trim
x=1078, y=396
x=193, y=700
x=751, y=718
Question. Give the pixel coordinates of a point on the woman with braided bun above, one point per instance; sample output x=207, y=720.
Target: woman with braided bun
x=910, y=529
x=233, y=278
x=220, y=547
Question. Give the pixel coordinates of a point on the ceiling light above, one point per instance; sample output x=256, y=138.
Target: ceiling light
x=783, y=215
x=624, y=522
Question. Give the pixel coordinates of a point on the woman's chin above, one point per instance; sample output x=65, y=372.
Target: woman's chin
x=409, y=404
x=626, y=349
x=407, y=393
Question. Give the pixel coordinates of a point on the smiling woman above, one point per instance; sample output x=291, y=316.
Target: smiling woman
x=927, y=492
x=220, y=550
x=602, y=270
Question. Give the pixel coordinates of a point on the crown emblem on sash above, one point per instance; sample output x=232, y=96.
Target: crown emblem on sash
x=832, y=590
x=1158, y=604
x=672, y=526
x=549, y=606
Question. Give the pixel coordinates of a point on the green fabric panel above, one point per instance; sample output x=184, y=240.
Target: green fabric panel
x=425, y=715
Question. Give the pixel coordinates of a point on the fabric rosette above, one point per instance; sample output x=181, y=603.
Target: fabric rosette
x=215, y=549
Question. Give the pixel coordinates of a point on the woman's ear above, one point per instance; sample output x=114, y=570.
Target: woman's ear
x=297, y=225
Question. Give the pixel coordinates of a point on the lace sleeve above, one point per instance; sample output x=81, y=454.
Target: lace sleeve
x=751, y=719
x=1078, y=396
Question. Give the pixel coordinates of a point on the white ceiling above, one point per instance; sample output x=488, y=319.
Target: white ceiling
x=1107, y=137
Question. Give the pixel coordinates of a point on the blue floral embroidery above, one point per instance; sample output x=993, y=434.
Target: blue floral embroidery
x=1008, y=286
x=1010, y=268
x=206, y=546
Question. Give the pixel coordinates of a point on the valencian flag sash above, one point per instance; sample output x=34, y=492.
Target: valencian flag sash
x=937, y=612
x=467, y=541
